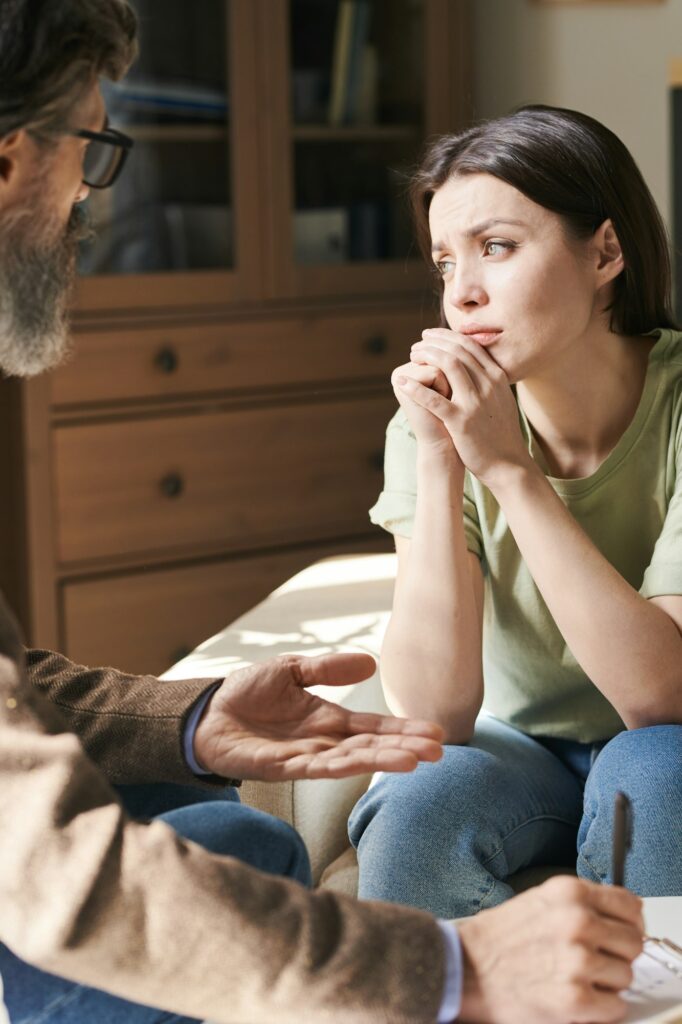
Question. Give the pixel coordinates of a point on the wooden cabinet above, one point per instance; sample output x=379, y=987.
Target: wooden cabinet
x=220, y=421
x=262, y=475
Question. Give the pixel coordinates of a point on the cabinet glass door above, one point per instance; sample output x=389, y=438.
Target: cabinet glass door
x=171, y=208
x=357, y=121
x=172, y=211
x=353, y=88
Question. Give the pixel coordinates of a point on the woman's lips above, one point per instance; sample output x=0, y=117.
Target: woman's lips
x=483, y=337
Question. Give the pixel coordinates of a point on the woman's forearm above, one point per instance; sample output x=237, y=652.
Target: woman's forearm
x=629, y=648
x=431, y=656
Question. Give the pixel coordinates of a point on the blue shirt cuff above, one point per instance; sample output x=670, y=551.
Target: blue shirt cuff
x=452, y=994
x=191, y=728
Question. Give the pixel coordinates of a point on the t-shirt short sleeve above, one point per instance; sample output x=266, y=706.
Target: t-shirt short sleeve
x=396, y=505
x=664, y=573
x=472, y=524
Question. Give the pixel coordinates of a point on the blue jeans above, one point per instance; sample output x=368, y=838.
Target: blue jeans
x=447, y=837
x=215, y=819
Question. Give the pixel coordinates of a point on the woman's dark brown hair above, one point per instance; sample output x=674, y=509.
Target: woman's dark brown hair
x=570, y=164
x=50, y=53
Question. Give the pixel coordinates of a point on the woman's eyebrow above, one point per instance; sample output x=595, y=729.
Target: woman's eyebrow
x=478, y=229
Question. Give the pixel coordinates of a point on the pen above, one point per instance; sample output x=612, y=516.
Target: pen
x=621, y=837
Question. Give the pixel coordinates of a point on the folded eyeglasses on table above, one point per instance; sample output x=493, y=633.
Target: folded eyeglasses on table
x=666, y=953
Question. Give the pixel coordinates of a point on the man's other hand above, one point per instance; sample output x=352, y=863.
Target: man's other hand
x=557, y=954
x=262, y=723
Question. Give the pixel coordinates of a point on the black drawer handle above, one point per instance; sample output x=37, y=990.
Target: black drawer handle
x=167, y=360
x=376, y=345
x=376, y=461
x=172, y=485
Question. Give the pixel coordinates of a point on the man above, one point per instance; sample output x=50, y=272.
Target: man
x=132, y=908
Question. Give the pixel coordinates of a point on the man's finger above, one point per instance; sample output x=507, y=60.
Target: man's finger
x=361, y=762
x=334, y=669
x=610, y=972
x=368, y=744
x=617, y=902
x=427, y=749
x=618, y=938
x=598, y=1006
x=386, y=725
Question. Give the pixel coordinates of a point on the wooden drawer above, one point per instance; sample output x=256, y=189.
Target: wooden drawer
x=144, y=622
x=238, y=478
x=173, y=361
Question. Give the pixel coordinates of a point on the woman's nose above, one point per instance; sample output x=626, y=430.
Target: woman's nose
x=466, y=289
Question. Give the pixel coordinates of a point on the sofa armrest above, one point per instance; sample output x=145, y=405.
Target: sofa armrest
x=338, y=604
x=319, y=808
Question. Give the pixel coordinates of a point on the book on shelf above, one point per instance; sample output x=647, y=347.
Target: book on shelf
x=353, y=65
x=321, y=235
x=133, y=99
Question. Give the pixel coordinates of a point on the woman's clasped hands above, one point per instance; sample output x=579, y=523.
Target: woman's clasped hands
x=454, y=392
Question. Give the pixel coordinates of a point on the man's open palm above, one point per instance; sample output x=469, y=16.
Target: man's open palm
x=262, y=723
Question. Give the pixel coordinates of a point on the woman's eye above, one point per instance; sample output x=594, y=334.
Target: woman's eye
x=494, y=248
x=445, y=267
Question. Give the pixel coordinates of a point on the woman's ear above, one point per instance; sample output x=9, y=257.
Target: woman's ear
x=608, y=252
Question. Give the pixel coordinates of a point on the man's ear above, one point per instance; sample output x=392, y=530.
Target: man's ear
x=13, y=150
x=608, y=253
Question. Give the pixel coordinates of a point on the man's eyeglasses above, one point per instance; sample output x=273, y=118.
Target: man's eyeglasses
x=105, y=156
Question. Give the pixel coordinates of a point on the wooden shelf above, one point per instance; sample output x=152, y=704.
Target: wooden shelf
x=355, y=133
x=178, y=132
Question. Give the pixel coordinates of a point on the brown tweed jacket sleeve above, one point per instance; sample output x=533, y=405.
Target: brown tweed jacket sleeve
x=134, y=910
x=131, y=726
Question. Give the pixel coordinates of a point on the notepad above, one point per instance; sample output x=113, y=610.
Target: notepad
x=656, y=993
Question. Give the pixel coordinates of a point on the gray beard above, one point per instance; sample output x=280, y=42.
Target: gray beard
x=37, y=273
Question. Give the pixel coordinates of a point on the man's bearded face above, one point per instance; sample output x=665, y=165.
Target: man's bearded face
x=37, y=272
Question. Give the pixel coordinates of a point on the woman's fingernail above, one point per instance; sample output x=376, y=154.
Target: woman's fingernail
x=402, y=381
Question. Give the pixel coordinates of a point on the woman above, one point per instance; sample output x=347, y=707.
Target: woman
x=548, y=406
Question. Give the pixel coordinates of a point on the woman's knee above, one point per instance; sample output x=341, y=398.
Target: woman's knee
x=644, y=763
x=449, y=793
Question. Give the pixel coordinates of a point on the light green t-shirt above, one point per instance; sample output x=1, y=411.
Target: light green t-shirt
x=631, y=508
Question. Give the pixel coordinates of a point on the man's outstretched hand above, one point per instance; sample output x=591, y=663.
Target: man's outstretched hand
x=262, y=723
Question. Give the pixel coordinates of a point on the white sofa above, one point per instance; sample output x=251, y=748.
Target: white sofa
x=338, y=604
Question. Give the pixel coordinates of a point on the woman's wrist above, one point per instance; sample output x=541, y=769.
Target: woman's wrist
x=439, y=457
x=440, y=483
x=510, y=479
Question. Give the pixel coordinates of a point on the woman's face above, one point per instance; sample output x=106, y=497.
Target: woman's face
x=512, y=279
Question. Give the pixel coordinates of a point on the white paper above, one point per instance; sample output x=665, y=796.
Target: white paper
x=656, y=992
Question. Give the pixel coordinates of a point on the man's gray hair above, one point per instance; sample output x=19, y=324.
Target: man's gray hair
x=52, y=50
